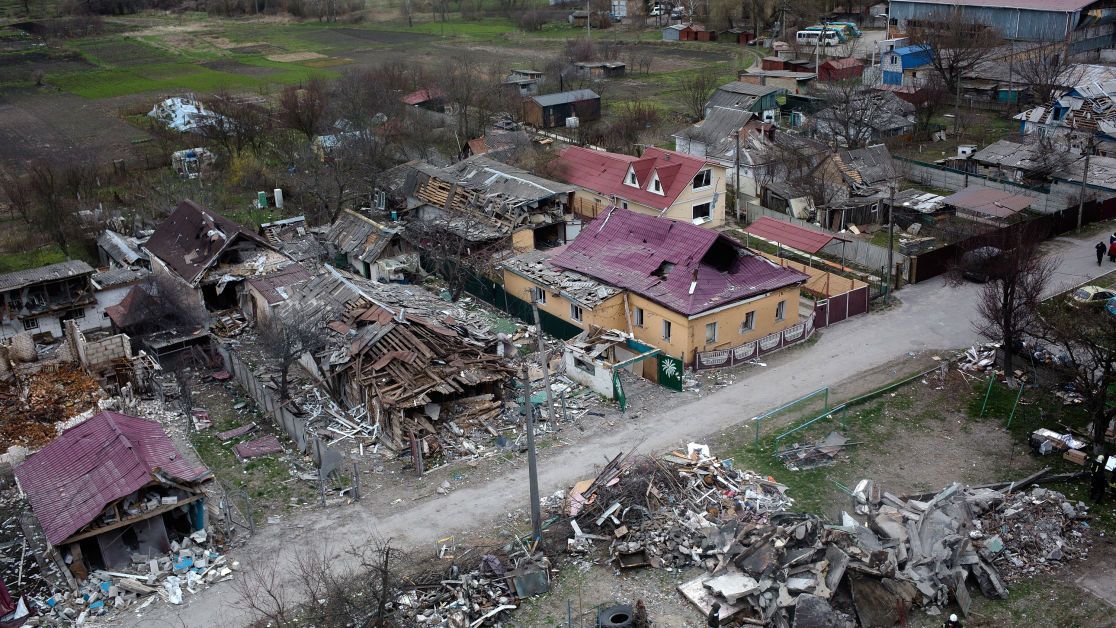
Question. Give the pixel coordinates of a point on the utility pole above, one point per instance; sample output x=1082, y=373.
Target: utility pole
x=1084, y=183
x=890, y=241
x=532, y=470
x=588, y=21
x=736, y=171
x=542, y=358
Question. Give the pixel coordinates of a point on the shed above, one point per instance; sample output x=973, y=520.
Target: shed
x=673, y=32
x=988, y=205
x=431, y=99
x=600, y=69
x=551, y=110
x=789, y=235
x=738, y=35
x=840, y=69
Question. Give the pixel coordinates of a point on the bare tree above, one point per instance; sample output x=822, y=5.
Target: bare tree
x=695, y=89
x=328, y=179
x=303, y=108
x=853, y=114
x=957, y=47
x=235, y=123
x=289, y=334
x=1046, y=70
x=1008, y=303
x=49, y=197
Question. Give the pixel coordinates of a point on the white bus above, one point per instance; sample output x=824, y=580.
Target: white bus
x=812, y=37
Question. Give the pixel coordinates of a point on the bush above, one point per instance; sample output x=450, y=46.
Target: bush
x=531, y=21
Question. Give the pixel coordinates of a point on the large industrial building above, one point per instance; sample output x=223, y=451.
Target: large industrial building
x=1087, y=25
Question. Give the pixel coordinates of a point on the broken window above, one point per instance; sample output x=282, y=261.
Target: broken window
x=781, y=311
x=749, y=322
x=637, y=316
x=703, y=213
x=703, y=179
x=576, y=313
x=710, y=333
x=539, y=295
x=666, y=330
x=31, y=323
x=585, y=365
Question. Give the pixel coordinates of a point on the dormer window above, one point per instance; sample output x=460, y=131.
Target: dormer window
x=703, y=179
x=630, y=178
x=655, y=186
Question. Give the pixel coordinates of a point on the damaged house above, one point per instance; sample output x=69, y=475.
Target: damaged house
x=370, y=249
x=485, y=201
x=40, y=300
x=294, y=238
x=396, y=352
x=670, y=284
x=112, y=488
x=209, y=256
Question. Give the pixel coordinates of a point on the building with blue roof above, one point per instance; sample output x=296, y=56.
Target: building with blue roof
x=901, y=65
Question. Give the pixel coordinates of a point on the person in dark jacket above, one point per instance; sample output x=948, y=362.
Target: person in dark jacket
x=713, y=620
x=1101, y=248
x=1112, y=252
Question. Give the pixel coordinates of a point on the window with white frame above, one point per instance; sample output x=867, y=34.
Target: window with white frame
x=710, y=333
x=749, y=322
x=576, y=313
x=631, y=178
x=781, y=311
x=703, y=179
x=539, y=295
x=637, y=316
x=703, y=213
x=666, y=330
x=656, y=186
x=31, y=323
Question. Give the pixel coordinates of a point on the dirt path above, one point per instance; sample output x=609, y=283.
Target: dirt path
x=856, y=356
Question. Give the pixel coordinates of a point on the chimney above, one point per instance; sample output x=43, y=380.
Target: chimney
x=693, y=281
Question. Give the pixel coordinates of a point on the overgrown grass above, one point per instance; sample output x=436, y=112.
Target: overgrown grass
x=491, y=28
x=107, y=83
x=31, y=259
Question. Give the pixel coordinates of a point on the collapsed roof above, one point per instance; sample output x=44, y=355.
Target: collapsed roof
x=191, y=240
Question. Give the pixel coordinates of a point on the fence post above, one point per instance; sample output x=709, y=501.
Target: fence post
x=987, y=394
x=758, y=421
x=1017, y=397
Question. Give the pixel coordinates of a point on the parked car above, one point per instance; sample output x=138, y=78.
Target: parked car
x=1092, y=296
x=1110, y=307
x=656, y=11
x=976, y=265
x=677, y=13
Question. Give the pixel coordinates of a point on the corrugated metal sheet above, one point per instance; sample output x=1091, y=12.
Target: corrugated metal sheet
x=1028, y=20
x=565, y=98
x=989, y=202
x=111, y=455
x=678, y=265
x=792, y=236
x=52, y=272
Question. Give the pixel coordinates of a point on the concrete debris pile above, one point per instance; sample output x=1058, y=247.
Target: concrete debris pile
x=473, y=597
x=978, y=359
x=823, y=453
x=31, y=406
x=766, y=566
x=191, y=566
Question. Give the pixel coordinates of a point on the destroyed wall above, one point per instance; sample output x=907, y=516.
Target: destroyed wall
x=268, y=401
x=595, y=375
x=93, y=354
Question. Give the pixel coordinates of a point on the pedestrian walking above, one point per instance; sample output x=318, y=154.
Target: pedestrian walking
x=1112, y=252
x=1112, y=238
x=1101, y=248
x=1098, y=484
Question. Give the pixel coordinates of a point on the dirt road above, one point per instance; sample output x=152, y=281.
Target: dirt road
x=855, y=356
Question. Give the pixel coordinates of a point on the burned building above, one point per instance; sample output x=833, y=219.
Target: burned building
x=112, y=488
x=209, y=256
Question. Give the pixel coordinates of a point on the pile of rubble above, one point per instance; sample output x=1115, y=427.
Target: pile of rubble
x=797, y=456
x=766, y=566
x=475, y=596
x=192, y=565
x=30, y=406
x=978, y=359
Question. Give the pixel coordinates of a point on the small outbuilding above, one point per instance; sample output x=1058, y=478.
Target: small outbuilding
x=552, y=110
x=840, y=69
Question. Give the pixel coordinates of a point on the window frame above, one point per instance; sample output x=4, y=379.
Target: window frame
x=638, y=316
x=30, y=323
x=712, y=340
x=707, y=174
x=577, y=313
x=781, y=310
x=666, y=329
x=539, y=295
x=749, y=322
x=704, y=219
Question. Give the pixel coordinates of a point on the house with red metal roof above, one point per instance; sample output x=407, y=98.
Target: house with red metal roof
x=660, y=183
x=111, y=488
x=672, y=285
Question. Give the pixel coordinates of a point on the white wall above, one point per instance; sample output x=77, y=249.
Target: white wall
x=599, y=381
